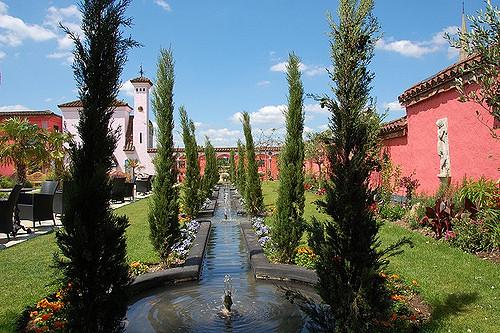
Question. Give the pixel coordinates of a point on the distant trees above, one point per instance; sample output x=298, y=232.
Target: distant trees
x=92, y=242
x=241, y=176
x=288, y=224
x=315, y=149
x=254, y=200
x=211, y=175
x=163, y=205
x=191, y=187
x=232, y=167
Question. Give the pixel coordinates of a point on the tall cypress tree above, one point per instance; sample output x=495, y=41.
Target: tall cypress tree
x=211, y=176
x=288, y=224
x=254, y=200
x=347, y=243
x=232, y=167
x=191, y=187
x=163, y=205
x=92, y=243
x=242, y=175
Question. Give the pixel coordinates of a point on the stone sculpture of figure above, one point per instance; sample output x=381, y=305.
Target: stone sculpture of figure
x=443, y=147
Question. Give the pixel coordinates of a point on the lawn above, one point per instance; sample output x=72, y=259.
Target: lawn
x=463, y=290
x=26, y=275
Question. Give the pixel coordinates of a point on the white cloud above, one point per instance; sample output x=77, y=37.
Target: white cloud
x=198, y=124
x=309, y=70
x=268, y=115
x=393, y=106
x=220, y=136
x=13, y=31
x=127, y=88
x=48, y=100
x=66, y=56
x=2, y=55
x=70, y=17
x=263, y=83
x=417, y=49
x=163, y=4
x=16, y=107
x=315, y=108
x=3, y=8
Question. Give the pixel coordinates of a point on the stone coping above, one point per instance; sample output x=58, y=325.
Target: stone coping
x=209, y=211
x=263, y=269
x=190, y=271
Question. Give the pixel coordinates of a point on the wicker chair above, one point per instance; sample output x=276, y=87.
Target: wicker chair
x=38, y=206
x=7, y=211
x=118, y=190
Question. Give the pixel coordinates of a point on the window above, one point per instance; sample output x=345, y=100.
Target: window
x=45, y=124
x=140, y=137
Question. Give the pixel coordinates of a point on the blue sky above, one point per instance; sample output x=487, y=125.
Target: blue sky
x=229, y=54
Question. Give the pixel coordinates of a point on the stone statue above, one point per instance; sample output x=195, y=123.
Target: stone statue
x=443, y=148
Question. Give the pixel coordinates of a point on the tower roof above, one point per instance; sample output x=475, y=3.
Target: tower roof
x=141, y=79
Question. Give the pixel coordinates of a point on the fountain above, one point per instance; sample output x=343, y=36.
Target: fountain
x=247, y=304
x=228, y=292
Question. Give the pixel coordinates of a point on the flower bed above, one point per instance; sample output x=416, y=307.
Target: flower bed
x=46, y=316
x=180, y=250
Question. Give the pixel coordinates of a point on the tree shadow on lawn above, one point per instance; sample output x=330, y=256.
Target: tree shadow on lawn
x=453, y=304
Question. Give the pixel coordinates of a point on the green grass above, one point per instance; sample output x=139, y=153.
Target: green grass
x=26, y=275
x=463, y=290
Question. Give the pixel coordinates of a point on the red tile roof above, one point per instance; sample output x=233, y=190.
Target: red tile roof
x=26, y=113
x=220, y=149
x=440, y=82
x=78, y=104
x=129, y=135
x=394, y=128
x=141, y=79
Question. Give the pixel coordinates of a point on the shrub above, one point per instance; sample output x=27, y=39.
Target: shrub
x=305, y=257
x=6, y=182
x=410, y=185
x=470, y=235
x=392, y=211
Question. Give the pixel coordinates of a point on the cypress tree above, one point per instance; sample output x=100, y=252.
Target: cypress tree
x=232, y=167
x=191, y=188
x=92, y=243
x=242, y=176
x=254, y=200
x=288, y=224
x=346, y=243
x=211, y=176
x=163, y=204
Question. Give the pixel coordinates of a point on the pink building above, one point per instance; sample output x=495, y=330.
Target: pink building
x=133, y=125
x=441, y=139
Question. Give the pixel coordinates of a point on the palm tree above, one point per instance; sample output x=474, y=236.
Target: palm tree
x=57, y=149
x=22, y=144
x=134, y=164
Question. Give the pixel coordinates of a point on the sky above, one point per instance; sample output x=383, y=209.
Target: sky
x=229, y=55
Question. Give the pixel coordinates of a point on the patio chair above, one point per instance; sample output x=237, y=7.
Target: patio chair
x=118, y=189
x=7, y=211
x=128, y=190
x=38, y=206
x=143, y=186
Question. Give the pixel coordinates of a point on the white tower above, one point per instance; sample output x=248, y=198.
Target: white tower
x=142, y=85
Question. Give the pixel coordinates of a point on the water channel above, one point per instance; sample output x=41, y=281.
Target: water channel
x=198, y=306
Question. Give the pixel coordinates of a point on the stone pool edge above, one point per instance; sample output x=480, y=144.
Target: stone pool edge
x=190, y=271
x=264, y=270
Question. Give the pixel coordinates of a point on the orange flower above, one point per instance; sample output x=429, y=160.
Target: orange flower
x=382, y=274
x=394, y=276
x=414, y=282
x=397, y=298
x=46, y=316
x=42, y=329
x=33, y=314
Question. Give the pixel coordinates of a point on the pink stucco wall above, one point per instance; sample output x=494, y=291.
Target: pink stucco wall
x=473, y=151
